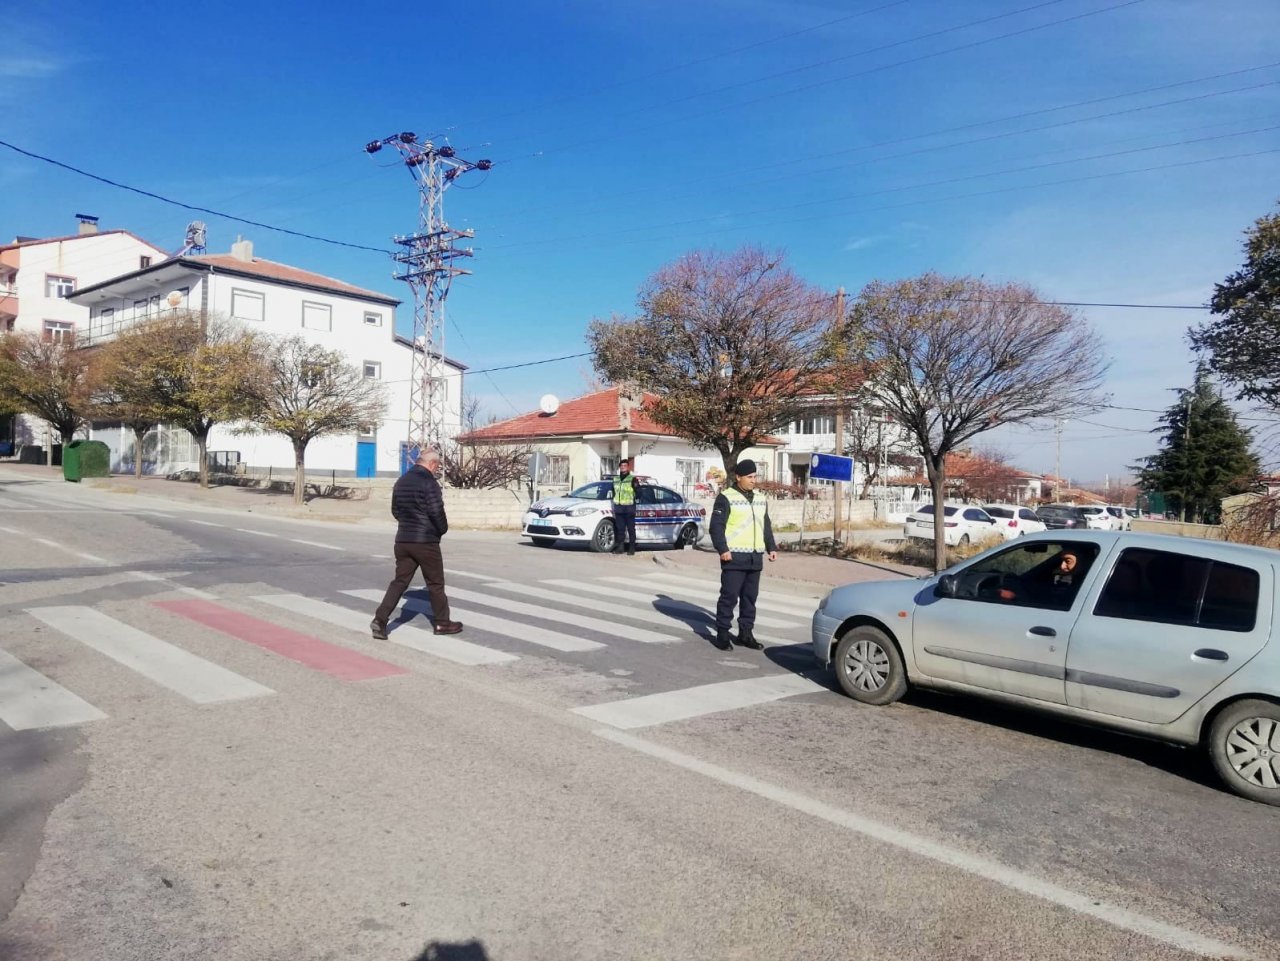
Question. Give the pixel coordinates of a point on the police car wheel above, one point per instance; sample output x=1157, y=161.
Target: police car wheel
x=602, y=539
x=688, y=536
x=543, y=541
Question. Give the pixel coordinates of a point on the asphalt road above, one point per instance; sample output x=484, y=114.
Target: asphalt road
x=203, y=754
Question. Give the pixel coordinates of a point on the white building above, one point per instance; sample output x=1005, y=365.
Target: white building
x=879, y=445
x=278, y=300
x=37, y=277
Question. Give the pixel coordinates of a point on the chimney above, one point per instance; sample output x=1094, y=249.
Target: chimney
x=242, y=250
x=88, y=224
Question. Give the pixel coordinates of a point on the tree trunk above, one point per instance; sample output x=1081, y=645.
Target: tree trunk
x=936, y=466
x=202, y=442
x=299, y=472
x=139, y=431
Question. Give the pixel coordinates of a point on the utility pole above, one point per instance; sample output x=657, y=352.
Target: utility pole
x=1057, y=459
x=427, y=264
x=837, y=327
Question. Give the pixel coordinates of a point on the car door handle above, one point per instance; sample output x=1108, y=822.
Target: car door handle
x=1211, y=654
x=1043, y=632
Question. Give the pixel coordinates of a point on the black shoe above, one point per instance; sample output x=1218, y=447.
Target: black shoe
x=448, y=627
x=631, y=552
x=379, y=629
x=724, y=641
x=747, y=639
x=617, y=550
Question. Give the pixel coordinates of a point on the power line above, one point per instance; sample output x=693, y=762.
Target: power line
x=184, y=206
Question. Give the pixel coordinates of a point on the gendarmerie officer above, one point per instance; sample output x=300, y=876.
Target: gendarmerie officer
x=624, y=509
x=742, y=535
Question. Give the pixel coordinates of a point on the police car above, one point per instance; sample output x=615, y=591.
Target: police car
x=585, y=516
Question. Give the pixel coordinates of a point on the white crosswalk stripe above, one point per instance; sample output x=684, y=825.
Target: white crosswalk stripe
x=486, y=622
x=449, y=648
x=30, y=701
x=193, y=677
x=687, y=586
x=692, y=608
x=612, y=628
x=697, y=701
x=479, y=577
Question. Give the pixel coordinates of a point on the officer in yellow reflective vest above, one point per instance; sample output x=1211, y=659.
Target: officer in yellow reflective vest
x=742, y=535
x=624, y=509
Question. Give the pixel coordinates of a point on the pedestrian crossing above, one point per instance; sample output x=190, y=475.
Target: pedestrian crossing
x=592, y=621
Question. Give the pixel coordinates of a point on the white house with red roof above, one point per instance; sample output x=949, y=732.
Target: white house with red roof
x=37, y=277
x=583, y=439
x=279, y=300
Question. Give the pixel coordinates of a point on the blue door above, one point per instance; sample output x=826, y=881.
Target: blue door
x=366, y=458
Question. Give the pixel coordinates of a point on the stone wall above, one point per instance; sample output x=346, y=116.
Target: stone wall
x=1208, y=532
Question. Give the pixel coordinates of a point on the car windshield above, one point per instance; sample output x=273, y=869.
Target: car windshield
x=597, y=491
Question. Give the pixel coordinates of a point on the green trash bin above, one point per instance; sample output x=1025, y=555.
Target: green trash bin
x=71, y=461
x=86, y=458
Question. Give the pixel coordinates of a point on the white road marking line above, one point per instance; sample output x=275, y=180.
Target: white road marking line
x=9, y=530
x=448, y=647
x=487, y=622
x=193, y=591
x=193, y=677
x=381, y=557
x=167, y=517
x=697, y=701
x=1117, y=916
x=29, y=700
x=783, y=603
x=601, y=625
x=692, y=607
x=478, y=577
x=94, y=558
x=245, y=530
x=202, y=523
x=327, y=547
x=686, y=586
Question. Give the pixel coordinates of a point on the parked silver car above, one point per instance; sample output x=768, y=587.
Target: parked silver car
x=1166, y=637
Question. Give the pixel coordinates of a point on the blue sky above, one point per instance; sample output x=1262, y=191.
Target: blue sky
x=870, y=140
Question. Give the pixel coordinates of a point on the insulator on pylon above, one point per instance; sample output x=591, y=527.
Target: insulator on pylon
x=484, y=165
x=414, y=160
x=373, y=146
x=408, y=136
x=446, y=151
x=451, y=173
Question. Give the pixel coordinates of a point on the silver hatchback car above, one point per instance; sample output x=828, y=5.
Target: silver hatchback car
x=1166, y=637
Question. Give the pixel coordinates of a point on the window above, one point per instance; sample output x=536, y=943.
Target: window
x=248, y=305
x=1026, y=515
x=1029, y=575
x=372, y=319
x=1171, y=588
x=668, y=498
x=441, y=386
x=368, y=431
x=608, y=465
x=59, y=331
x=372, y=370
x=144, y=262
x=8, y=324
x=317, y=316
x=973, y=514
x=59, y=286
x=557, y=471
x=1002, y=512
x=690, y=471
x=140, y=308
x=597, y=491
x=820, y=424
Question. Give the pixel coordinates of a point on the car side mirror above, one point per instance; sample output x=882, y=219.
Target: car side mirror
x=946, y=586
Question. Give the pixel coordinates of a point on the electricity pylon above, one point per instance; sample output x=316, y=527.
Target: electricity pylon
x=428, y=264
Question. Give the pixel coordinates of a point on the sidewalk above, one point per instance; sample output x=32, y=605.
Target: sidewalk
x=802, y=568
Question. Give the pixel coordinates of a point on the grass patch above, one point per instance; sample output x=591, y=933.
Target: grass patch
x=912, y=552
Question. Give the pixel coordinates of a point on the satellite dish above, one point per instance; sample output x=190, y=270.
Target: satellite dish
x=549, y=404
x=174, y=299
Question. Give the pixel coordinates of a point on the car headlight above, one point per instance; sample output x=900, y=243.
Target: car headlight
x=583, y=511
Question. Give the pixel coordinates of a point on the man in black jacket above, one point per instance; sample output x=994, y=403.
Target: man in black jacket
x=416, y=502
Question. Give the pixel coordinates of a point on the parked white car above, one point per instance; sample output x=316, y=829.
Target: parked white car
x=1014, y=520
x=1098, y=518
x=1170, y=638
x=962, y=525
x=1119, y=517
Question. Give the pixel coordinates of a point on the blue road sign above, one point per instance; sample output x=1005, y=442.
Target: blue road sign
x=831, y=467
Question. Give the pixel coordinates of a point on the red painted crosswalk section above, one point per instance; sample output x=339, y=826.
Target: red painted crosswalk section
x=339, y=662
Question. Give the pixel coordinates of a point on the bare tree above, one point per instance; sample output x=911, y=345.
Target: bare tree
x=952, y=358
x=729, y=343
x=466, y=463
x=188, y=370
x=51, y=379
x=307, y=392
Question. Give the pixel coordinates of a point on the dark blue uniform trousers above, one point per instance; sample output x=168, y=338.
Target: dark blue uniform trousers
x=624, y=526
x=740, y=588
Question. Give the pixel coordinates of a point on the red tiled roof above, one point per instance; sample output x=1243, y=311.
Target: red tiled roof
x=33, y=241
x=271, y=270
x=598, y=413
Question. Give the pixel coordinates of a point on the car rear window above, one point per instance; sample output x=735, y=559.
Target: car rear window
x=1172, y=588
x=1000, y=512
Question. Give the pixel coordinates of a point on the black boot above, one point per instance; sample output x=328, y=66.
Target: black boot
x=748, y=640
x=724, y=640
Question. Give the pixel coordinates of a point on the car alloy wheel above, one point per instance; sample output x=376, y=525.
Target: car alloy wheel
x=602, y=539
x=1244, y=745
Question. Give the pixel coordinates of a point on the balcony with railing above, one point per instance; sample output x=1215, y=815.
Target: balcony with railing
x=8, y=300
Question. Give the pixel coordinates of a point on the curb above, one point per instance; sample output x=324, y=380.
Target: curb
x=661, y=561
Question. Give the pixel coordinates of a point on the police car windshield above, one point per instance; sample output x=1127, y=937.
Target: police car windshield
x=597, y=491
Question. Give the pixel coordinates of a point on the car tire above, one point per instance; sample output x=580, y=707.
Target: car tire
x=543, y=541
x=688, y=536
x=602, y=539
x=964, y=541
x=869, y=666
x=1244, y=746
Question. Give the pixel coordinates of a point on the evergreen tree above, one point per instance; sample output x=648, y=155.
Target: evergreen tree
x=1205, y=455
